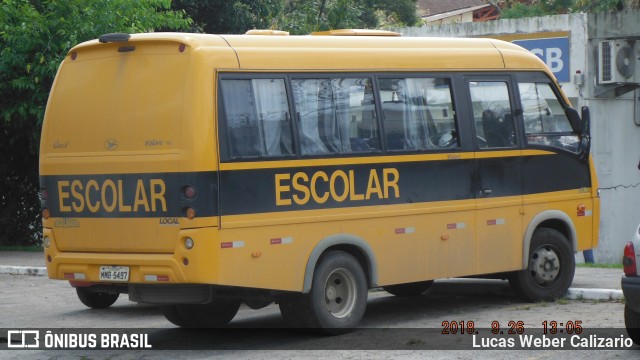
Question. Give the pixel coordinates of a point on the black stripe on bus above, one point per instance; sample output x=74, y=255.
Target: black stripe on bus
x=557, y=172
x=314, y=187
x=130, y=195
x=308, y=188
x=321, y=187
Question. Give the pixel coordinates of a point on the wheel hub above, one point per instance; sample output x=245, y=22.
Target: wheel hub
x=340, y=293
x=545, y=265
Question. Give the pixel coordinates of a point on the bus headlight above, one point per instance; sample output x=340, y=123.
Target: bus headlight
x=188, y=243
x=46, y=242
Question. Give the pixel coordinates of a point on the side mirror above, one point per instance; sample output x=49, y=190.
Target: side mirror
x=585, y=126
x=574, y=120
x=585, y=134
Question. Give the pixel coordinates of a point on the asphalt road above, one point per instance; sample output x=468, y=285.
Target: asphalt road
x=392, y=327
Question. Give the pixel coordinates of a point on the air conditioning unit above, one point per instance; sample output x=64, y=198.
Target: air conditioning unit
x=618, y=62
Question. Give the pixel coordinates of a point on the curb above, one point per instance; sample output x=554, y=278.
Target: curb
x=23, y=270
x=572, y=293
x=594, y=294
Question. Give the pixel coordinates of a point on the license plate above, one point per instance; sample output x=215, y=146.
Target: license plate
x=114, y=273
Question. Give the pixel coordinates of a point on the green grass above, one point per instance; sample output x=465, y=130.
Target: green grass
x=414, y=342
x=21, y=248
x=562, y=301
x=602, y=266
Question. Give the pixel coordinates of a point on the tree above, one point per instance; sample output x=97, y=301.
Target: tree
x=296, y=16
x=514, y=9
x=304, y=16
x=230, y=17
x=35, y=36
x=397, y=13
x=519, y=10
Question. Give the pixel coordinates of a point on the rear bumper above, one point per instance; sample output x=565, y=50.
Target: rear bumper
x=197, y=265
x=143, y=268
x=631, y=290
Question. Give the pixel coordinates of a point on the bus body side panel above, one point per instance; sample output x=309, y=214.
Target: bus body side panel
x=559, y=181
x=409, y=212
x=499, y=211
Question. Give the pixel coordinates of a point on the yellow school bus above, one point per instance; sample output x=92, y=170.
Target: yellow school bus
x=198, y=172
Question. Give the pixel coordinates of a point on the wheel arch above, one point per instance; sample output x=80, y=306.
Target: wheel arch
x=551, y=219
x=351, y=244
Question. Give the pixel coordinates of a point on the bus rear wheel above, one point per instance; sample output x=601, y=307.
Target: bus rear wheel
x=409, y=289
x=96, y=299
x=550, y=270
x=217, y=313
x=337, y=300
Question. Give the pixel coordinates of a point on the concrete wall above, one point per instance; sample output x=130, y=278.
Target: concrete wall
x=616, y=142
x=616, y=137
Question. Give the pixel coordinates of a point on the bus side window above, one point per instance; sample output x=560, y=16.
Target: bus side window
x=545, y=121
x=495, y=126
x=418, y=113
x=335, y=115
x=257, y=118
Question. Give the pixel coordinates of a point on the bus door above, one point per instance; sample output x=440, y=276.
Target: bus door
x=555, y=172
x=498, y=173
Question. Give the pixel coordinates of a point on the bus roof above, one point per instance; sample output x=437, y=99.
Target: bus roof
x=312, y=52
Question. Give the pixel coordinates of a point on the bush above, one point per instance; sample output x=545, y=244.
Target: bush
x=35, y=36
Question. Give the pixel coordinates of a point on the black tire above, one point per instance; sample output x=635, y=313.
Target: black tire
x=550, y=269
x=95, y=299
x=215, y=314
x=409, y=289
x=337, y=300
x=172, y=314
x=632, y=323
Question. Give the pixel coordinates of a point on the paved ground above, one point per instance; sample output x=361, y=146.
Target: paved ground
x=479, y=300
x=588, y=283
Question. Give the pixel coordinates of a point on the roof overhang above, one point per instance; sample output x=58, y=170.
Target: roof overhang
x=454, y=13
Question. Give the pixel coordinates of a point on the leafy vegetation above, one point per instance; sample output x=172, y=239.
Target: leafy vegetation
x=601, y=266
x=35, y=35
x=296, y=16
x=22, y=248
x=515, y=9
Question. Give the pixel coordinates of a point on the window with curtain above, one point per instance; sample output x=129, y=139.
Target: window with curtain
x=258, y=122
x=336, y=115
x=418, y=113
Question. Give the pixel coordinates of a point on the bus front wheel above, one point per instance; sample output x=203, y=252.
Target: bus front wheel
x=337, y=300
x=550, y=269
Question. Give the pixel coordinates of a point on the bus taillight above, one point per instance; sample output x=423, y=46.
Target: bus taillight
x=189, y=192
x=190, y=213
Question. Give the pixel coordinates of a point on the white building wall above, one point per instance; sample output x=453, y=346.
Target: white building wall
x=616, y=137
